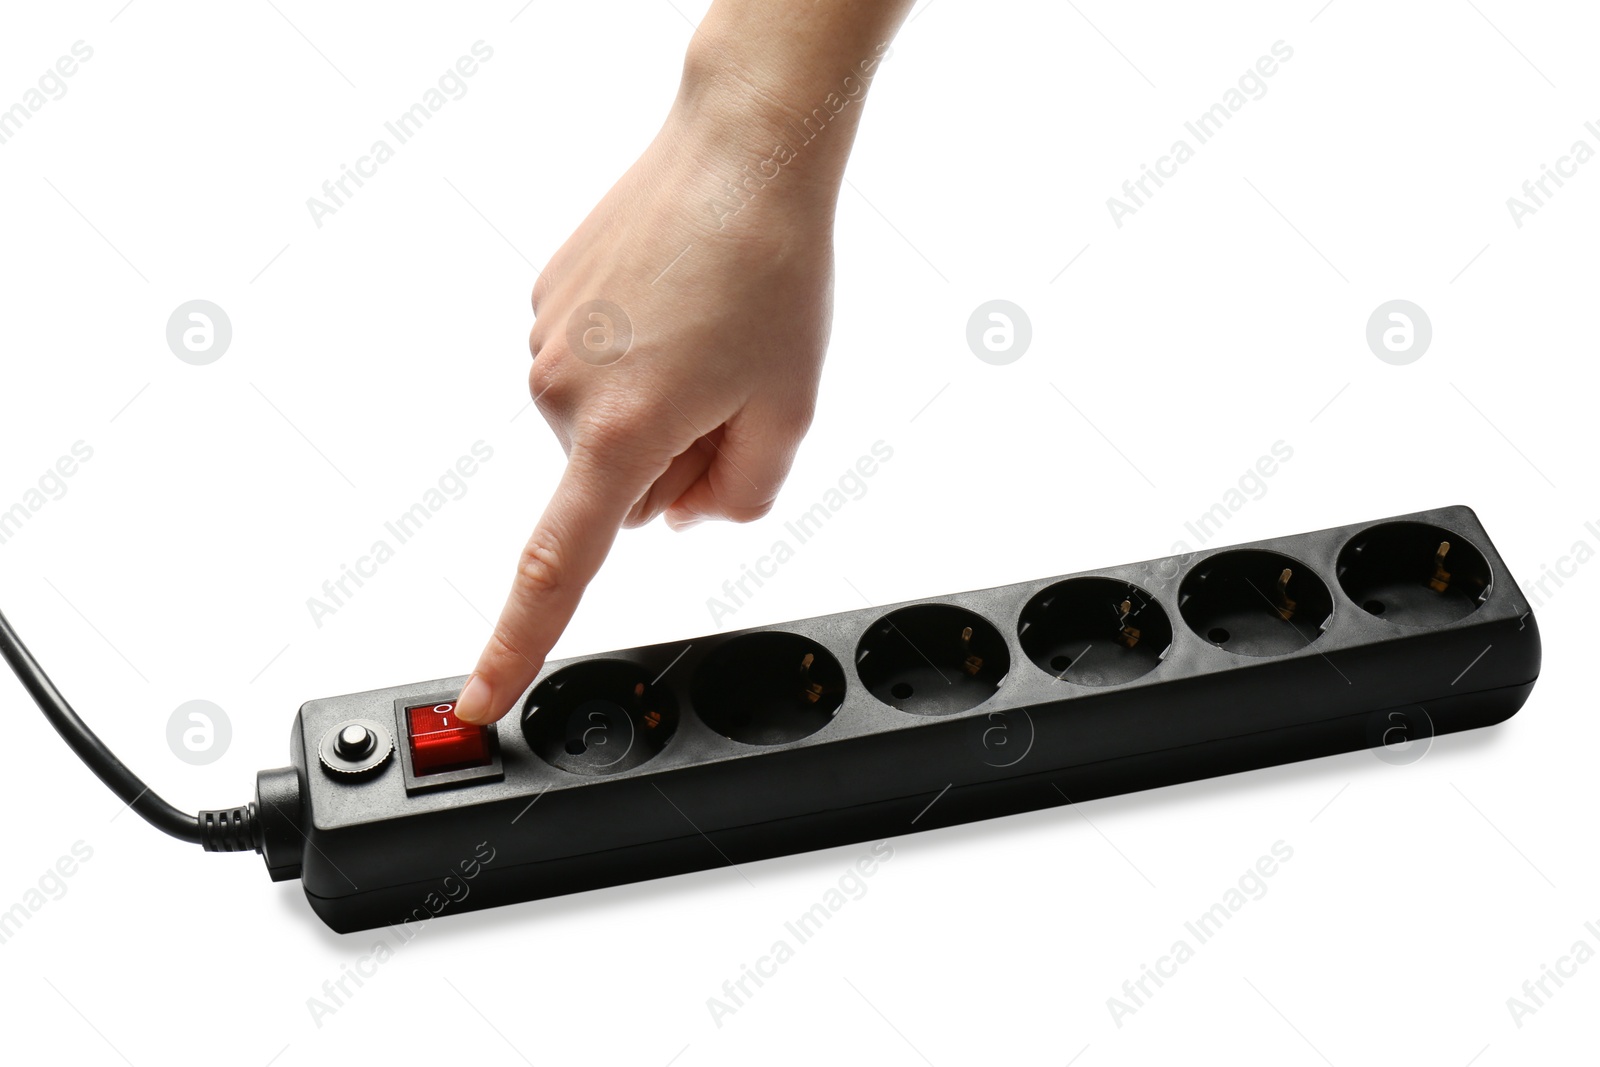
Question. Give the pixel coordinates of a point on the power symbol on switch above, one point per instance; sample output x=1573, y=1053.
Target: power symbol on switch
x=440, y=742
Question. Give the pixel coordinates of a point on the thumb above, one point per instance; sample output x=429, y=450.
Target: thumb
x=750, y=466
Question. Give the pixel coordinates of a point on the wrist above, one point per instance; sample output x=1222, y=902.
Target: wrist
x=774, y=108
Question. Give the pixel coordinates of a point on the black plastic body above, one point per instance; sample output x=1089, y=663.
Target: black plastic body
x=372, y=854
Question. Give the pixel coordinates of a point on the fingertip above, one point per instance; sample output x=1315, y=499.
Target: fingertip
x=475, y=704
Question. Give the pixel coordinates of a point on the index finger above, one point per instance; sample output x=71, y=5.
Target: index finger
x=568, y=545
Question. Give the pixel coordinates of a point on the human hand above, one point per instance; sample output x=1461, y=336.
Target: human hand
x=687, y=392
x=680, y=331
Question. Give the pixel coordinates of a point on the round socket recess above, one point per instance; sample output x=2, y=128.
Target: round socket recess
x=1414, y=574
x=768, y=688
x=599, y=717
x=1094, y=631
x=1254, y=602
x=932, y=659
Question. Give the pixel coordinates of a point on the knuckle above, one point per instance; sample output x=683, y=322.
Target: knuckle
x=547, y=382
x=539, y=570
x=640, y=514
x=800, y=416
x=750, y=512
x=541, y=289
x=609, y=431
x=599, y=435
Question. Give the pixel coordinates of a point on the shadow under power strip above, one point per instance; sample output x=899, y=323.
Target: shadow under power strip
x=677, y=757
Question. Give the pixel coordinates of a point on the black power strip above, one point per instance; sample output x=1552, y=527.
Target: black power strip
x=725, y=749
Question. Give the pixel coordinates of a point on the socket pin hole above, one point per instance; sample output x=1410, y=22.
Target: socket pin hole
x=1094, y=631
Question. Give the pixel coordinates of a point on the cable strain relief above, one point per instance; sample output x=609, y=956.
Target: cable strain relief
x=229, y=830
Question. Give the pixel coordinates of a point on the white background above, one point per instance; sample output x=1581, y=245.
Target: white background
x=1226, y=315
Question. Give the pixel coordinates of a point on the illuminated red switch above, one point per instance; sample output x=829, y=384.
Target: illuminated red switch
x=441, y=742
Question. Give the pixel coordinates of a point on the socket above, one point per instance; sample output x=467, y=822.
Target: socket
x=598, y=717
x=1397, y=571
x=768, y=688
x=932, y=659
x=1095, y=631
x=1255, y=603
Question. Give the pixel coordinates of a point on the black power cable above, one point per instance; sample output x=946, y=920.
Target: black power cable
x=226, y=830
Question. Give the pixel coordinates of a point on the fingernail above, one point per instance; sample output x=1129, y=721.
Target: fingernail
x=473, y=704
x=679, y=527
